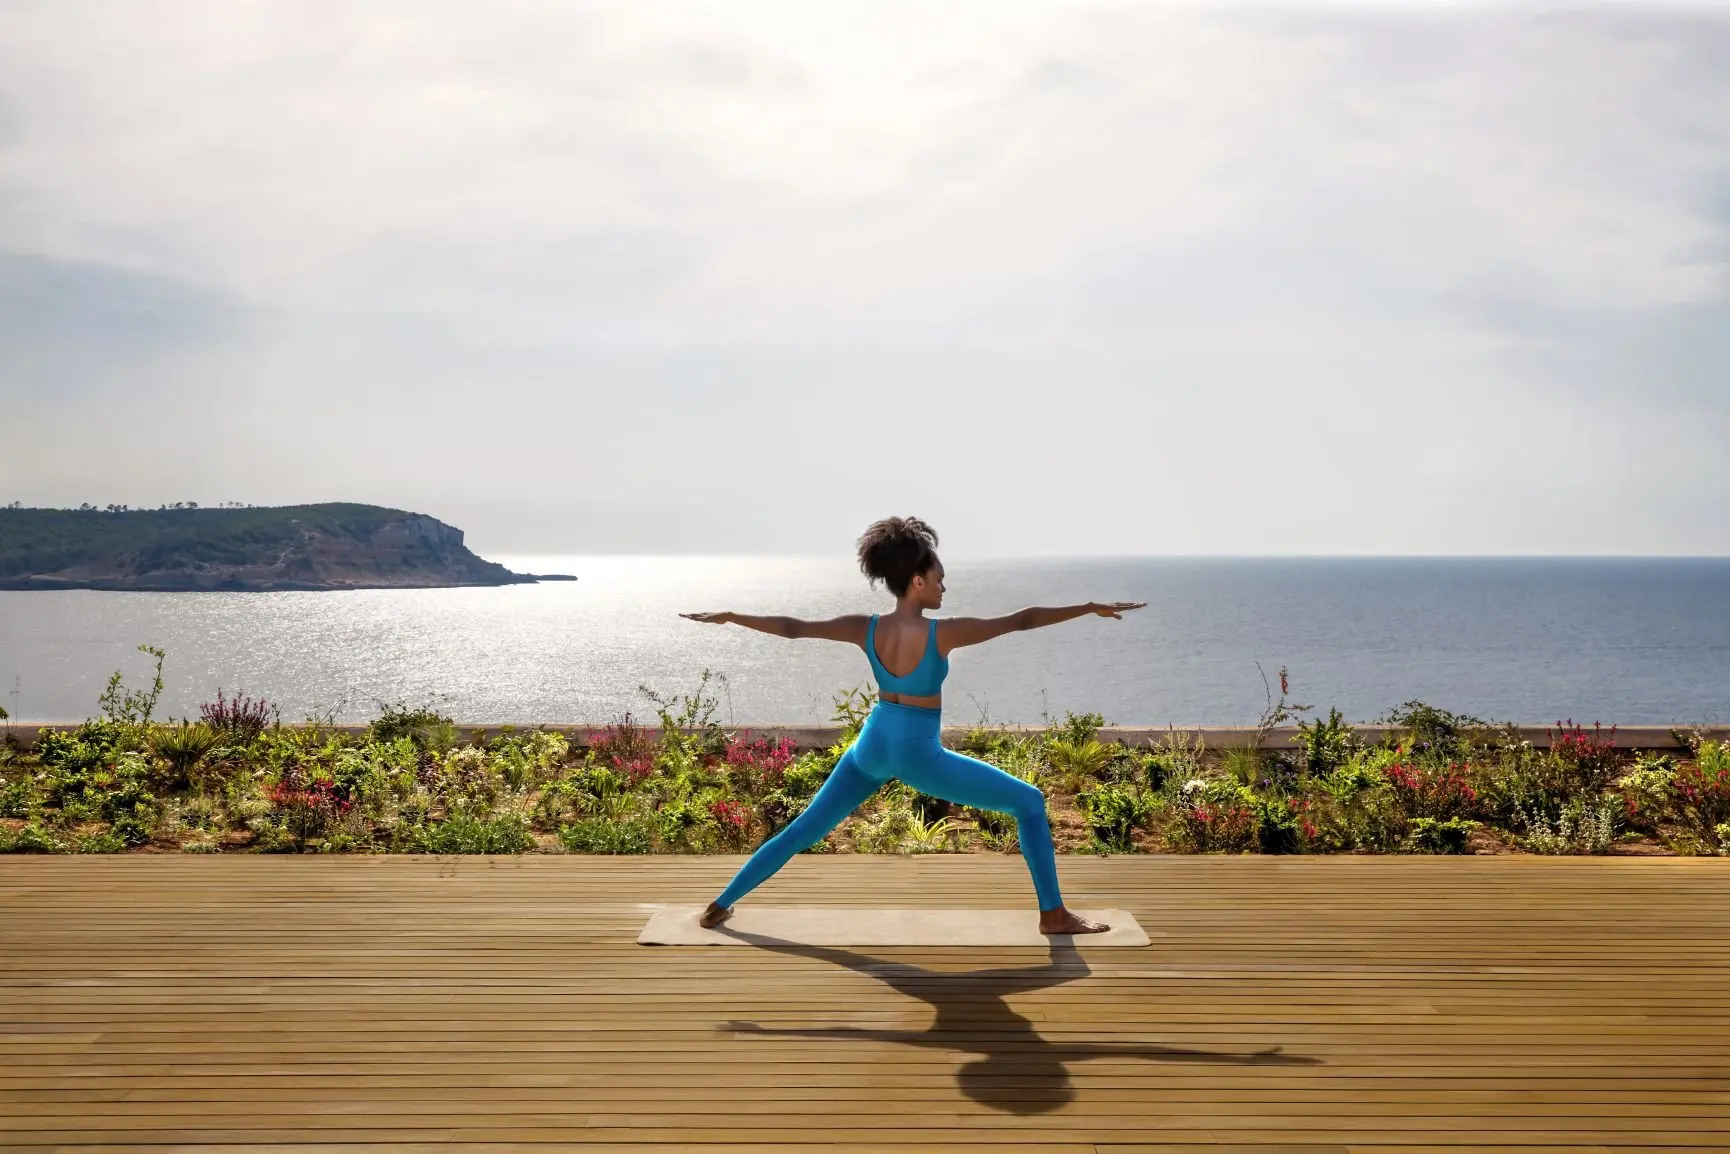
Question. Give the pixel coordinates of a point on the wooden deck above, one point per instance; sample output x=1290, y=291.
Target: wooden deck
x=1305, y=1004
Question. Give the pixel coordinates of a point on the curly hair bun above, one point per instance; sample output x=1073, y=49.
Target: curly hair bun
x=897, y=549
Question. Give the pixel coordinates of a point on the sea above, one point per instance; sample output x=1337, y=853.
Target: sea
x=1624, y=641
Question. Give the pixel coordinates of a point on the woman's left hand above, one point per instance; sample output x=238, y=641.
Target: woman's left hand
x=707, y=618
x=1117, y=609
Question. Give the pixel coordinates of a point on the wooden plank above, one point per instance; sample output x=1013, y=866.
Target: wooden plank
x=429, y=1004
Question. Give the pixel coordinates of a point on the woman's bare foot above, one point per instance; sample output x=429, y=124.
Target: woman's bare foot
x=1061, y=921
x=714, y=916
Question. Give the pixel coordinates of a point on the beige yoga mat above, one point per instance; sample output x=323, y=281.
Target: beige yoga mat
x=813, y=926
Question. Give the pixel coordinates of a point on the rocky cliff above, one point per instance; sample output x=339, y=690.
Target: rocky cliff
x=337, y=546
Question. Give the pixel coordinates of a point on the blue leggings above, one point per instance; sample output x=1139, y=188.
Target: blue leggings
x=902, y=741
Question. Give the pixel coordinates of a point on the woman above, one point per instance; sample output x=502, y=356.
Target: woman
x=900, y=738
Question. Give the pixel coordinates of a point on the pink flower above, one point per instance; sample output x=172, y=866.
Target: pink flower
x=768, y=760
x=731, y=813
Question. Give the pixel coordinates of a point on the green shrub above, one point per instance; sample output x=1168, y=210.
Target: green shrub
x=1584, y=826
x=597, y=782
x=1355, y=807
x=17, y=796
x=990, y=743
x=107, y=841
x=1324, y=746
x=1584, y=763
x=1649, y=792
x=305, y=804
x=1212, y=815
x=424, y=725
x=1516, y=775
x=1077, y=729
x=1422, y=727
x=506, y=834
x=1702, y=791
x=887, y=830
x=805, y=776
x=131, y=829
x=700, y=788
x=1174, y=756
x=1076, y=763
x=852, y=707
x=1244, y=764
x=91, y=779
x=132, y=708
x=200, y=812
x=1114, y=813
x=1429, y=787
x=941, y=836
x=466, y=782
x=927, y=806
x=373, y=773
x=603, y=835
x=1019, y=755
x=271, y=835
x=556, y=803
x=1215, y=829
x=685, y=825
x=35, y=838
x=182, y=746
x=1278, y=829
x=778, y=809
x=1442, y=837
x=77, y=752
x=995, y=830
x=1214, y=791
x=524, y=760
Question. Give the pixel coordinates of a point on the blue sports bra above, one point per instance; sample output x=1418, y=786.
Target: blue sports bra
x=926, y=680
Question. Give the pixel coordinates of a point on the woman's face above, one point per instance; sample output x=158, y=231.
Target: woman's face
x=927, y=588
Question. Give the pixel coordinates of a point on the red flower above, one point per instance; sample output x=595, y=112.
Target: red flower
x=1432, y=792
x=765, y=759
x=637, y=769
x=730, y=813
x=318, y=794
x=624, y=746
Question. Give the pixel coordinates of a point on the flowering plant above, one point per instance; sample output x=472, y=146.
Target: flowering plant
x=1432, y=791
x=733, y=821
x=761, y=761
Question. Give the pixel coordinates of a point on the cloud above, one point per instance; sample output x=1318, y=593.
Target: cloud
x=1144, y=272
x=1664, y=355
x=78, y=333
x=56, y=301
x=11, y=126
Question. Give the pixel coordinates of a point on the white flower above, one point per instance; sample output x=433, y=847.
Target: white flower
x=1194, y=785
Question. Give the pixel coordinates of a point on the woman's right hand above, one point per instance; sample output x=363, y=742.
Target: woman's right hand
x=1117, y=608
x=721, y=618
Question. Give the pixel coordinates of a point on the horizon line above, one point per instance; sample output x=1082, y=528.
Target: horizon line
x=827, y=555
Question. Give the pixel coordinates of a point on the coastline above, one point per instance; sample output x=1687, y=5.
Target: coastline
x=55, y=585
x=293, y=548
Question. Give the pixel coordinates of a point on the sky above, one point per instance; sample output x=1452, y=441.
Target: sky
x=1062, y=278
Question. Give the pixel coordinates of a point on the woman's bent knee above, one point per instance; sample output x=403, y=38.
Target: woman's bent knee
x=1029, y=802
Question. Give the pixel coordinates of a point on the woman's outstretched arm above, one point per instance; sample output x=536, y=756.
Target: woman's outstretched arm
x=958, y=631
x=851, y=629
